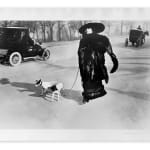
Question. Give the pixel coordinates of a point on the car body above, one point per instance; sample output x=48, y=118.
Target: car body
x=136, y=37
x=16, y=44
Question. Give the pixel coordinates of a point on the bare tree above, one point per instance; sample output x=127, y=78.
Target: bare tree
x=73, y=27
x=6, y=23
x=121, y=30
x=60, y=27
x=43, y=28
x=50, y=25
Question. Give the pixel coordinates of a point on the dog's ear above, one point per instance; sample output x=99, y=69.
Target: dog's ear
x=37, y=81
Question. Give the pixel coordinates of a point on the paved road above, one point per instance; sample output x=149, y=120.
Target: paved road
x=126, y=106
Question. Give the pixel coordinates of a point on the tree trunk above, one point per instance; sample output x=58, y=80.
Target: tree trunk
x=108, y=29
x=37, y=34
x=70, y=36
x=43, y=31
x=121, y=28
x=51, y=33
x=59, y=32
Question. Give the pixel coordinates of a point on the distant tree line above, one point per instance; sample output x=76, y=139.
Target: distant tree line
x=48, y=31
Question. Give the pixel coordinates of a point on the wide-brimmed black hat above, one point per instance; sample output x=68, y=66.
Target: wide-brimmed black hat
x=97, y=27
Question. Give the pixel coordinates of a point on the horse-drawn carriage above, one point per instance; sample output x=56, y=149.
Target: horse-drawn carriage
x=136, y=37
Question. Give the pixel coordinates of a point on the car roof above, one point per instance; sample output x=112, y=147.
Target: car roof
x=135, y=30
x=17, y=28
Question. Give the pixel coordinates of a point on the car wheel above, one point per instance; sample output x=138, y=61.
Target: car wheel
x=126, y=42
x=15, y=58
x=46, y=55
x=140, y=43
x=143, y=41
x=137, y=43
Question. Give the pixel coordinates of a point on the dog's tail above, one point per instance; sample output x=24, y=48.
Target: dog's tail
x=59, y=86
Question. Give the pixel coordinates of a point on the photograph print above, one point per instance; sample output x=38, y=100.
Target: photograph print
x=75, y=74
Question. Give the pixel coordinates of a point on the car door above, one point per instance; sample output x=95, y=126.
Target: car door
x=27, y=48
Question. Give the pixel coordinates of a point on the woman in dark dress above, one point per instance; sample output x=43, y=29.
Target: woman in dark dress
x=92, y=67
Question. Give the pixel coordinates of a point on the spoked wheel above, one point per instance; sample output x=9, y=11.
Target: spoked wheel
x=126, y=42
x=143, y=41
x=138, y=43
x=46, y=55
x=15, y=58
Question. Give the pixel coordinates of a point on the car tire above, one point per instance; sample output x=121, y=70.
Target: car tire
x=143, y=41
x=138, y=43
x=15, y=58
x=46, y=55
x=126, y=42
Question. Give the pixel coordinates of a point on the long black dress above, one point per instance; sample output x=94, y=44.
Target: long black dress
x=91, y=52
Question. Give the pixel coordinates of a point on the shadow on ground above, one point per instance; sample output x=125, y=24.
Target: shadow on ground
x=73, y=95
x=135, y=58
x=29, y=87
x=137, y=95
x=132, y=69
x=23, y=87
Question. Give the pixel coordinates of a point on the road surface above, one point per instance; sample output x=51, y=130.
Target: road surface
x=126, y=105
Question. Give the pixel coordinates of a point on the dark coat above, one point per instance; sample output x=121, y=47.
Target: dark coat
x=91, y=57
x=91, y=52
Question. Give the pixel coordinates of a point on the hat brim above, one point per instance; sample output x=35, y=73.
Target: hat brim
x=97, y=27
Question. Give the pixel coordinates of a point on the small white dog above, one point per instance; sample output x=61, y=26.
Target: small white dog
x=53, y=87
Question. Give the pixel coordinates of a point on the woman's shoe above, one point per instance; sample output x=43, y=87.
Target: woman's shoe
x=85, y=100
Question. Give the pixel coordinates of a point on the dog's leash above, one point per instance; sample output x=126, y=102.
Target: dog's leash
x=75, y=79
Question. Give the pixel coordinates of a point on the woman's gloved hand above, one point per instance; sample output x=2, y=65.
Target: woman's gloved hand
x=115, y=63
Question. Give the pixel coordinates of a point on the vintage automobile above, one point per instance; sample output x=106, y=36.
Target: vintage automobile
x=136, y=37
x=16, y=45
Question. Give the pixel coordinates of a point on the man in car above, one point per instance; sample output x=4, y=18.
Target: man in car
x=26, y=39
x=139, y=27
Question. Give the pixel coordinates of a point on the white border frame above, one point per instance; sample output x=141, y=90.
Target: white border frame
x=72, y=13
x=75, y=135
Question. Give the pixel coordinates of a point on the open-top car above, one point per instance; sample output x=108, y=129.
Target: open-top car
x=16, y=44
x=136, y=37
